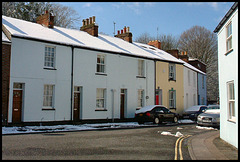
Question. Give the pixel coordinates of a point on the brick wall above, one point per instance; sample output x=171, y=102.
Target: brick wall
x=6, y=54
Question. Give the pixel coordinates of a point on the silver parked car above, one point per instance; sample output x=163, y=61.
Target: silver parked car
x=210, y=117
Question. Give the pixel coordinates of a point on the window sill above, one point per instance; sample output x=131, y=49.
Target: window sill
x=170, y=79
x=49, y=68
x=140, y=77
x=104, y=74
x=232, y=121
x=48, y=109
x=228, y=52
x=101, y=110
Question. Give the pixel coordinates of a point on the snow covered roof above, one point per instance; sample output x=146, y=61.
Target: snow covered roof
x=4, y=38
x=21, y=28
x=160, y=53
x=193, y=68
x=26, y=29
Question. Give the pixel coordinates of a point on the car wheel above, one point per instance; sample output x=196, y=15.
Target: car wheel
x=156, y=120
x=175, y=119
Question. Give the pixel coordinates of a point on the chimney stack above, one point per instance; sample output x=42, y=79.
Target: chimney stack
x=155, y=43
x=125, y=34
x=174, y=52
x=46, y=20
x=183, y=56
x=90, y=26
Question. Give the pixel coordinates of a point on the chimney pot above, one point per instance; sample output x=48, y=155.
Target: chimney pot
x=93, y=19
x=118, y=32
x=125, y=29
x=87, y=21
x=185, y=52
x=90, y=20
x=121, y=31
x=84, y=22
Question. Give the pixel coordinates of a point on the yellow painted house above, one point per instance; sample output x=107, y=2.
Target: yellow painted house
x=169, y=84
x=168, y=78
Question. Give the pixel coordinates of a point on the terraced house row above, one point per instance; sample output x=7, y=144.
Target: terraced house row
x=54, y=74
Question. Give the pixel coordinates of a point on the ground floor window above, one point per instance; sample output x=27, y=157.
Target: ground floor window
x=101, y=99
x=172, y=99
x=140, y=98
x=231, y=101
x=48, y=96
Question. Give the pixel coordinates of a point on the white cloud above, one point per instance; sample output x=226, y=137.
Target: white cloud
x=87, y=5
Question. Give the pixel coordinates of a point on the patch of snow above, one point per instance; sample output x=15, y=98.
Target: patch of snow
x=208, y=128
x=178, y=134
x=185, y=121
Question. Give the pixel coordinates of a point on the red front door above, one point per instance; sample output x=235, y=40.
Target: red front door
x=17, y=106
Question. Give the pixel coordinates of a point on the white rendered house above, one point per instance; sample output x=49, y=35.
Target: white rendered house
x=227, y=31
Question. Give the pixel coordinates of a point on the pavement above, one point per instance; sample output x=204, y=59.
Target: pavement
x=209, y=146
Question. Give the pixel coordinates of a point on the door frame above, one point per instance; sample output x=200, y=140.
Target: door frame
x=123, y=91
x=78, y=90
x=17, y=86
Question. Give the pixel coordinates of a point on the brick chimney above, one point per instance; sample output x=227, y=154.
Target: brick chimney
x=125, y=34
x=46, y=20
x=90, y=26
x=155, y=43
x=183, y=56
x=173, y=52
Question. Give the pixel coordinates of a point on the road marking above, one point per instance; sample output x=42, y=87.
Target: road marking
x=179, y=141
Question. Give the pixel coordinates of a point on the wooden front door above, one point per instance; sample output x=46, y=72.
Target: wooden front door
x=77, y=103
x=17, y=106
x=76, y=107
x=122, y=103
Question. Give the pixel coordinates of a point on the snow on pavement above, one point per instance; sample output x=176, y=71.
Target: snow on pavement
x=65, y=128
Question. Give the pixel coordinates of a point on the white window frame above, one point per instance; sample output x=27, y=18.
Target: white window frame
x=48, y=96
x=101, y=99
x=141, y=66
x=140, y=98
x=101, y=64
x=231, y=101
x=50, y=57
x=229, y=37
x=172, y=99
x=172, y=72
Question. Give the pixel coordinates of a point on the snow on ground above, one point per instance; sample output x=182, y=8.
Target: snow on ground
x=65, y=128
x=178, y=134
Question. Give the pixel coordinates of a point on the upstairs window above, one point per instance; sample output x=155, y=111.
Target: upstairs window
x=172, y=72
x=229, y=37
x=141, y=68
x=49, y=59
x=101, y=66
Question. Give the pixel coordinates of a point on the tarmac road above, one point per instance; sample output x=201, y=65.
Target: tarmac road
x=124, y=144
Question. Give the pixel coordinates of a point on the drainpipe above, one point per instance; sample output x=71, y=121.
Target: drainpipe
x=71, y=112
x=113, y=90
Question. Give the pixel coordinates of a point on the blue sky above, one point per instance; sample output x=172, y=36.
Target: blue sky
x=169, y=17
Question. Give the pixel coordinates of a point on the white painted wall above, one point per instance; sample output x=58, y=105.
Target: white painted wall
x=190, y=89
x=228, y=71
x=121, y=74
x=27, y=63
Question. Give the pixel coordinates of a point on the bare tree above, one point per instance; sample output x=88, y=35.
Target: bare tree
x=64, y=16
x=168, y=42
x=144, y=38
x=201, y=43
